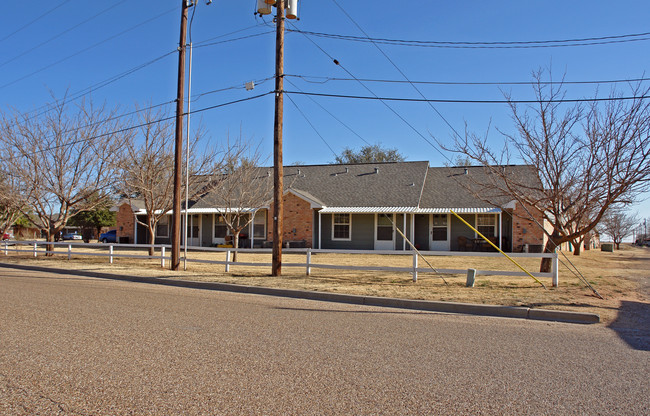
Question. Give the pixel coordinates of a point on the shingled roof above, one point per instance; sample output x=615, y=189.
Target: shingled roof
x=409, y=185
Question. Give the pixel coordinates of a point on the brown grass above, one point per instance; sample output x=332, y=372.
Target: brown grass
x=617, y=276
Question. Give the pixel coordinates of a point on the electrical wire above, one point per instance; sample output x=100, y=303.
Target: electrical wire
x=333, y=116
x=325, y=80
x=603, y=40
x=336, y=62
x=34, y=21
x=415, y=100
x=86, y=49
x=50, y=39
x=312, y=125
x=228, y=34
x=402, y=73
x=232, y=40
x=85, y=91
x=160, y=120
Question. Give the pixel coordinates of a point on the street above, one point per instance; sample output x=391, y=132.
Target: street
x=73, y=345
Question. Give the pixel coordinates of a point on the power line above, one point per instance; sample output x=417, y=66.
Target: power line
x=401, y=72
x=333, y=116
x=422, y=100
x=50, y=39
x=603, y=40
x=85, y=91
x=336, y=62
x=228, y=34
x=160, y=120
x=308, y=78
x=87, y=48
x=312, y=126
x=203, y=45
x=33, y=21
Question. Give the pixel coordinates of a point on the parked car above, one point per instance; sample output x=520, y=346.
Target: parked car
x=72, y=236
x=108, y=237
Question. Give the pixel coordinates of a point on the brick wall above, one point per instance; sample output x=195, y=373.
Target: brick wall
x=525, y=230
x=125, y=222
x=298, y=220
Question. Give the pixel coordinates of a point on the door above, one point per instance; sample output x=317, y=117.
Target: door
x=384, y=232
x=193, y=230
x=439, y=234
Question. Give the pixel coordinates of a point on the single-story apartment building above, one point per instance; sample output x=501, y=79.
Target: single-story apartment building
x=367, y=206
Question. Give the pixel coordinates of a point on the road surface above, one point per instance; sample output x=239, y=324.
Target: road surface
x=73, y=345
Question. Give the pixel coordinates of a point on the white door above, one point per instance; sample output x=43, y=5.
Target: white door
x=439, y=232
x=193, y=230
x=384, y=232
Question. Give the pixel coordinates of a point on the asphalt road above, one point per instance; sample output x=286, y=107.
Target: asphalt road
x=87, y=346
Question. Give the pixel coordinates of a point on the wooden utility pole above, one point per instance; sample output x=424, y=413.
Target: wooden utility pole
x=178, y=148
x=278, y=171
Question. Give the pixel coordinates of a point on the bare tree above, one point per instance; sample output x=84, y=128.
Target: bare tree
x=241, y=188
x=61, y=159
x=618, y=225
x=585, y=158
x=147, y=168
x=12, y=203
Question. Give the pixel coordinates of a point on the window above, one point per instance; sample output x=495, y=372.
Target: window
x=220, y=228
x=259, y=225
x=486, y=224
x=162, y=229
x=341, y=226
x=439, y=227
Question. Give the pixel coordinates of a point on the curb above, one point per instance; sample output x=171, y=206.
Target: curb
x=519, y=312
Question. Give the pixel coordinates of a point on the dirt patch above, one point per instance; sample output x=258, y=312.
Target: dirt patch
x=622, y=278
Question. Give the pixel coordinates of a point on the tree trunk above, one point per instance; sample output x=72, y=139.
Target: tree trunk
x=151, y=240
x=235, y=244
x=547, y=263
x=577, y=247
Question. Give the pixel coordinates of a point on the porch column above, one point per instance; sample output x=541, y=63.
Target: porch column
x=252, y=229
x=404, y=231
x=413, y=228
x=500, y=229
x=320, y=230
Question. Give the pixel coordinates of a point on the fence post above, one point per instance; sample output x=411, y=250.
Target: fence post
x=415, y=266
x=308, y=261
x=162, y=256
x=35, y=254
x=110, y=253
x=227, y=261
x=69, y=251
x=556, y=278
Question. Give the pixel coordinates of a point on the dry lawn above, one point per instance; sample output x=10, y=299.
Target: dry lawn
x=622, y=276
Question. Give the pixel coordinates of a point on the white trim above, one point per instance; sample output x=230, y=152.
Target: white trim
x=409, y=210
x=349, y=225
x=168, y=224
x=320, y=229
x=392, y=225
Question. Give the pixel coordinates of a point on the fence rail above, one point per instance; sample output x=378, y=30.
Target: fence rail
x=45, y=247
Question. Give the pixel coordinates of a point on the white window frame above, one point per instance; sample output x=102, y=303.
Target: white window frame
x=214, y=225
x=494, y=222
x=259, y=214
x=164, y=220
x=446, y=226
x=349, y=224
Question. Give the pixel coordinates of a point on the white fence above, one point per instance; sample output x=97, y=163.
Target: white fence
x=43, y=247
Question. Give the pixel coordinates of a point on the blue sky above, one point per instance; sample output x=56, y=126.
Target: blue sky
x=75, y=44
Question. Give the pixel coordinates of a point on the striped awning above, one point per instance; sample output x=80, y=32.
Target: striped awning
x=406, y=210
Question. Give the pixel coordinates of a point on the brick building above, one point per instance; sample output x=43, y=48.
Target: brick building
x=368, y=206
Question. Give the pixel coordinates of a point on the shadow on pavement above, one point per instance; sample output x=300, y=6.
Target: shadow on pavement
x=633, y=324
